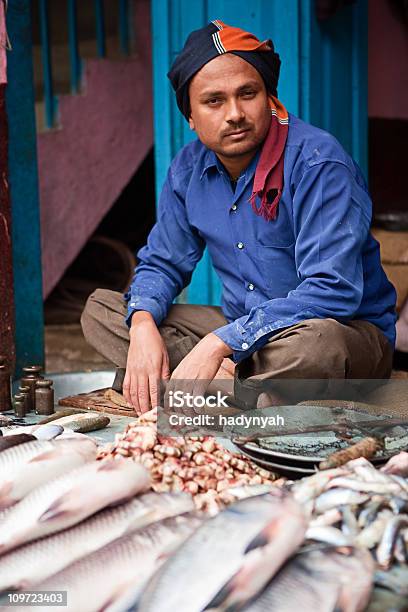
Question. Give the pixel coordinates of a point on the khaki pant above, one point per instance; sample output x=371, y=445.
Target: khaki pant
x=314, y=349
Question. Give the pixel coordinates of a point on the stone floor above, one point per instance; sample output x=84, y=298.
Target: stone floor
x=66, y=350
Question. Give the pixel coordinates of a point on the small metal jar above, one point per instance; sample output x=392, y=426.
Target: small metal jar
x=31, y=374
x=25, y=392
x=44, y=397
x=19, y=405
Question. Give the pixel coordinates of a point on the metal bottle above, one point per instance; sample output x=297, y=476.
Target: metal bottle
x=19, y=405
x=24, y=390
x=30, y=376
x=5, y=386
x=44, y=397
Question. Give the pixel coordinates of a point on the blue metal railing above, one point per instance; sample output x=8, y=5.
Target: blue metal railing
x=50, y=100
x=75, y=60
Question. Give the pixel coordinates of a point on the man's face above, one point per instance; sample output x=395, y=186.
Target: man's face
x=229, y=106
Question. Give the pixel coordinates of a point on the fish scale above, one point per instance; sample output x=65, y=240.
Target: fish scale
x=319, y=580
x=216, y=551
x=38, y=560
x=31, y=464
x=68, y=499
x=123, y=564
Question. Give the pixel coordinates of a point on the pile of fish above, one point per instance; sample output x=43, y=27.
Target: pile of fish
x=358, y=505
x=59, y=505
x=196, y=465
x=77, y=519
x=337, y=541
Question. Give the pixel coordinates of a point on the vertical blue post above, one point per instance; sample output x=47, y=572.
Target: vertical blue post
x=75, y=61
x=100, y=28
x=124, y=26
x=23, y=179
x=46, y=64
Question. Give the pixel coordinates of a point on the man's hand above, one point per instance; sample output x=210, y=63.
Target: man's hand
x=200, y=366
x=147, y=363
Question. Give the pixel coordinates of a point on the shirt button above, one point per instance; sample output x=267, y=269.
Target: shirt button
x=240, y=245
x=245, y=346
x=234, y=207
x=251, y=287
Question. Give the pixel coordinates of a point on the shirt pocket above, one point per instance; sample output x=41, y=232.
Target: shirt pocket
x=276, y=265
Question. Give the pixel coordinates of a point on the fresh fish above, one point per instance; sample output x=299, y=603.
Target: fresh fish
x=27, y=466
x=37, y=561
x=372, y=534
x=320, y=580
x=71, y=498
x=397, y=465
x=230, y=558
x=400, y=550
x=383, y=488
x=329, y=535
x=338, y=497
x=244, y=491
x=84, y=422
x=47, y=432
x=385, y=549
x=9, y=441
x=330, y=517
x=370, y=511
x=312, y=486
x=350, y=526
x=61, y=413
x=112, y=577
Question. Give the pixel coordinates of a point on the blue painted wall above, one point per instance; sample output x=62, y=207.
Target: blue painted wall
x=23, y=182
x=323, y=78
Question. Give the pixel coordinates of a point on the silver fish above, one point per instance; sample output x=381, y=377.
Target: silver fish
x=114, y=574
x=37, y=561
x=330, y=517
x=372, y=534
x=385, y=549
x=338, y=497
x=383, y=488
x=370, y=511
x=69, y=499
x=230, y=558
x=329, y=535
x=350, y=526
x=320, y=580
x=47, y=432
x=27, y=466
x=311, y=487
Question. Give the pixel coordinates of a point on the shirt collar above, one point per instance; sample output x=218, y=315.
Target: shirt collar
x=212, y=161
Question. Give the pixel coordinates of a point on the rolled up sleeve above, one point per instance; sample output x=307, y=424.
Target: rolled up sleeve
x=166, y=263
x=332, y=215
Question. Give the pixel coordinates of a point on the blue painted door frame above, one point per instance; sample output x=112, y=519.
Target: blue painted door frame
x=23, y=185
x=323, y=78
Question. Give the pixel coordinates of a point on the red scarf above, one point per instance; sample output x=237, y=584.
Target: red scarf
x=268, y=181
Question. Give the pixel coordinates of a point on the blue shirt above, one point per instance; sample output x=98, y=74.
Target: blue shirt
x=317, y=259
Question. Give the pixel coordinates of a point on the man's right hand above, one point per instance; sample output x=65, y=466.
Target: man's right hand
x=147, y=363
